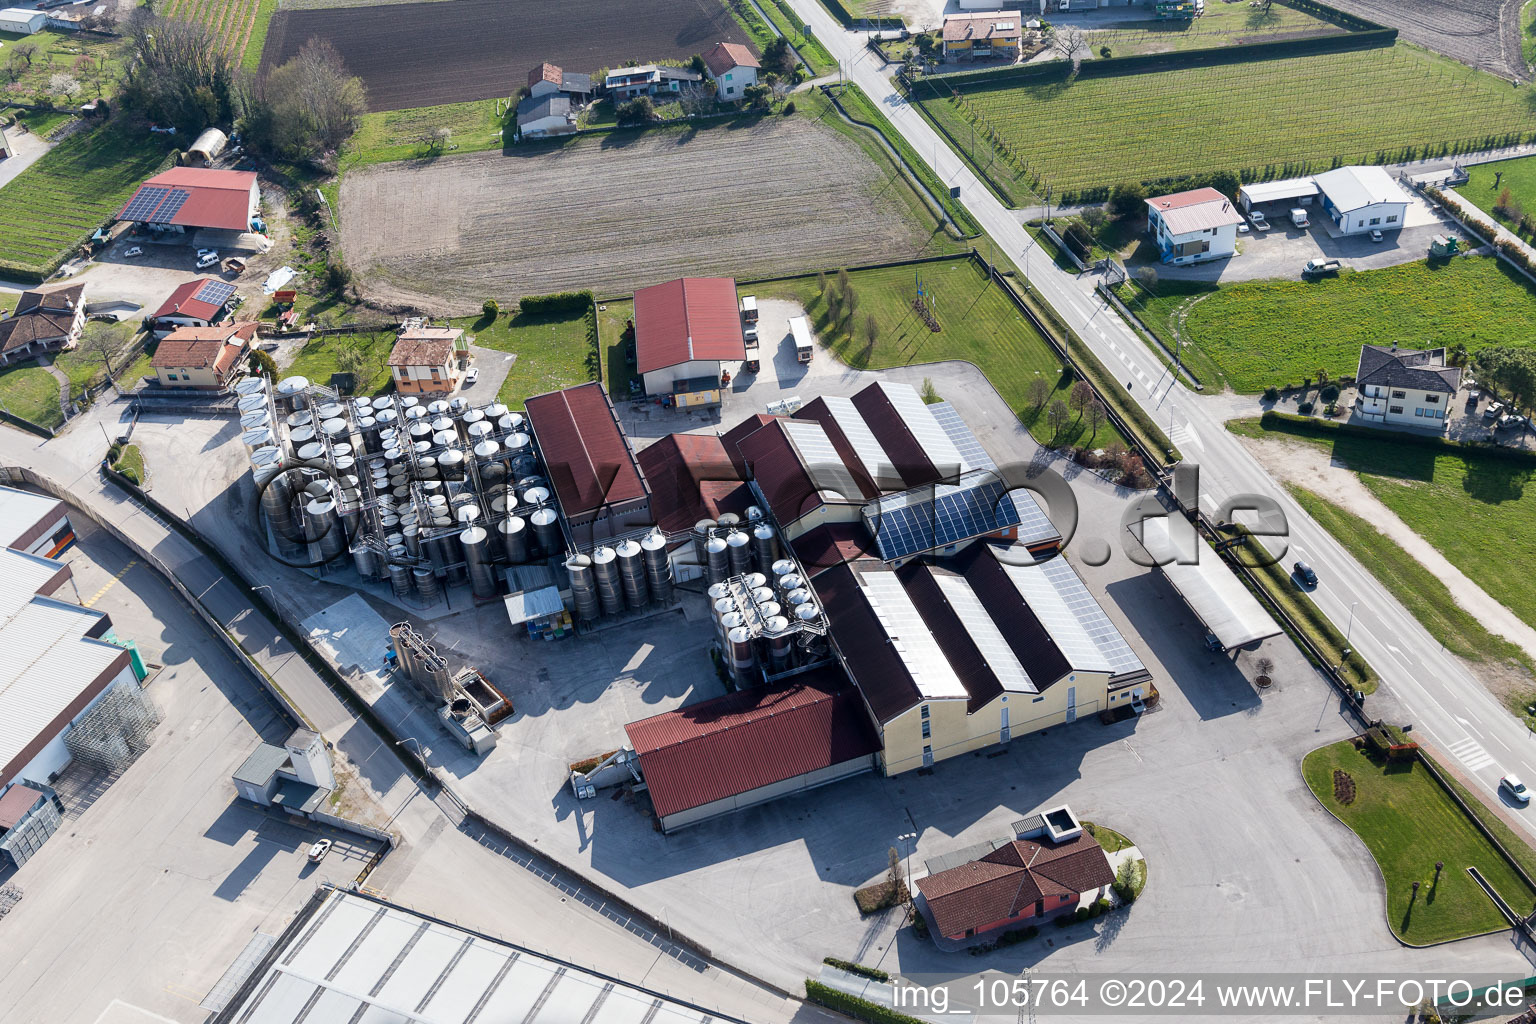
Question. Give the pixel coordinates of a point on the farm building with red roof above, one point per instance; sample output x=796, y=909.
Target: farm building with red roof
x=192, y=198
x=590, y=466
x=199, y=302
x=691, y=478
x=687, y=334
x=752, y=746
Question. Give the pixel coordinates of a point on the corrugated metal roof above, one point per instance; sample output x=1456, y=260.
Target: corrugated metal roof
x=687, y=319
x=743, y=741
x=585, y=454
x=15, y=804
x=1354, y=188
x=22, y=510
x=1197, y=210
x=692, y=478
x=780, y=476
x=895, y=436
x=868, y=653
x=532, y=604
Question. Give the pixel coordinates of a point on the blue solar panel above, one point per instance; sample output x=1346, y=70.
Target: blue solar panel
x=143, y=203
x=172, y=206
x=925, y=519
x=214, y=292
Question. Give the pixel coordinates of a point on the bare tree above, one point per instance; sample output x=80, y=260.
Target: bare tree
x=871, y=328
x=1079, y=397
x=821, y=282
x=1096, y=415
x=1069, y=42
x=435, y=139
x=14, y=65
x=102, y=341
x=309, y=103
x=779, y=87
x=1056, y=415
x=697, y=99
x=1038, y=391
x=850, y=305
x=26, y=50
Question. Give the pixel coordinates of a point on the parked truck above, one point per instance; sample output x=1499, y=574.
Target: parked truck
x=1317, y=268
x=1299, y=217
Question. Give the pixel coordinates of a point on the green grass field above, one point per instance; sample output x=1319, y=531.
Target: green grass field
x=979, y=323
x=87, y=368
x=29, y=391
x=1528, y=32
x=1477, y=508
x=322, y=357
x=1264, y=119
x=1221, y=25
x=617, y=370
x=552, y=352
x=398, y=134
x=818, y=61
x=1408, y=822
x=1260, y=333
x=1517, y=176
x=91, y=61
x=76, y=187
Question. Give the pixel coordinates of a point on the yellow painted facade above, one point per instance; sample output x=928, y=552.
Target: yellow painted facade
x=952, y=732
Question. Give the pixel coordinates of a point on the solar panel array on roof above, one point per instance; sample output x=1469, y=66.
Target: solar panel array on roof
x=827, y=470
x=910, y=636
x=865, y=445
x=1060, y=600
x=214, y=293
x=167, y=210
x=927, y=518
x=985, y=635
x=144, y=203
x=935, y=441
x=960, y=435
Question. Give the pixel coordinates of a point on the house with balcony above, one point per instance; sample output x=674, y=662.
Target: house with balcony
x=1404, y=387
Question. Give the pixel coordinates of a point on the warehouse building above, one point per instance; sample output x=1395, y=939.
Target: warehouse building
x=688, y=339
x=37, y=524
x=193, y=198
x=22, y=22
x=350, y=956
x=594, y=474
x=67, y=691
x=200, y=302
x=1356, y=199
x=752, y=746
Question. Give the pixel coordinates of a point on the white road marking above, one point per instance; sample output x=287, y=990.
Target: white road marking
x=1471, y=754
x=1502, y=743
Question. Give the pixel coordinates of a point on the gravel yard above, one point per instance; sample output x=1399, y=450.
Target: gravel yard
x=1482, y=33
x=616, y=212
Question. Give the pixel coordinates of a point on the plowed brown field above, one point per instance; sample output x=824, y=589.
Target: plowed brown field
x=1482, y=33
x=776, y=196
x=424, y=54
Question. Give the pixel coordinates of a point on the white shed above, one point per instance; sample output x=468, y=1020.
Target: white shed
x=22, y=22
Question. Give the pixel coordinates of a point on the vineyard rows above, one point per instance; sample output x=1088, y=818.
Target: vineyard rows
x=230, y=20
x=1262, y=119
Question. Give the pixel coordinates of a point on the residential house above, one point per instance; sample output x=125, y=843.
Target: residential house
x=200, y=302
x=1021, y=881
x=1193, y=226
x=1361, y=199
x=732, y=68
x=1406, y=387
x=541, y=116
x=43, y=322
x=204, y=358
x=549, y=80
x=687, y=337
x=423, y=360
x=982, y=36
x=648, y=80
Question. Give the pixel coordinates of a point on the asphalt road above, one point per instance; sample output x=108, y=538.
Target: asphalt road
x=1436, y=691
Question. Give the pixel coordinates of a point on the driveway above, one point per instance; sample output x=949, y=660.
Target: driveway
x=1284, y=249
x=26, y=150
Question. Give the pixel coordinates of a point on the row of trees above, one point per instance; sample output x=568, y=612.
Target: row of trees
x=180, y=74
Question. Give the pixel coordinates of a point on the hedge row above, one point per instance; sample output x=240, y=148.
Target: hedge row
x=853, y=1006
x=1142, y=63
x=1290, y=423
x=559, y=302
x=855, y=968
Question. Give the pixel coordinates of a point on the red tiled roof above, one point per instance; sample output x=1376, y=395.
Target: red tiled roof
x=41, y=316
x=424, y=346
x=726, y=56
x=1193, y=197
x=215, y=199
x=753, y=738
x=182, y=303
x=201, y=348
x=1003, y=25
x=1006, y=881
x=687, y=319
x=692, y=479
x=545, y=72
x=585, y=453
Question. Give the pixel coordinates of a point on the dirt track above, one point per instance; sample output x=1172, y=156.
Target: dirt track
x=1482, y=33
x=611, y=213
x=424, y=54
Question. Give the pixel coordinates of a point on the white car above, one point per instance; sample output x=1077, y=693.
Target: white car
x=207, y=260
x=135, y=251
x=471, y=375
x=1515, y=788
x=1375, y=235
x=319, y=850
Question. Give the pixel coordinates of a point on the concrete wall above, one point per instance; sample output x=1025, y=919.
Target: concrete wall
x=418, y=379
x=1387, y=217
x=953, y=731
x=187, y=377
x=730, y=86
x=763, y=794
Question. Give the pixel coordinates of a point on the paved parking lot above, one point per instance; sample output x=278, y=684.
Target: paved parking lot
x=1284, y=249
x=155, y=882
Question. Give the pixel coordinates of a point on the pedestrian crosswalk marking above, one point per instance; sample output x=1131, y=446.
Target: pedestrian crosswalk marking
x=1471, y=754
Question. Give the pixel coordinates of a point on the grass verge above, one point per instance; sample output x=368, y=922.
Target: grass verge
x=251, y=59
x=389, y=135
x=784, y=18
x=365, y=354
x=858, y=105
x=1409, y=823
x=617, y=370
x=1112, y=841
x=553, y=352
x=751, y=23
x=1517, y=177
x=130, y=463
x=30, y=392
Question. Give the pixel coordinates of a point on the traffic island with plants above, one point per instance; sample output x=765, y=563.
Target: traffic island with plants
x=1422, y=841
x=128, y=461
x=888, y=892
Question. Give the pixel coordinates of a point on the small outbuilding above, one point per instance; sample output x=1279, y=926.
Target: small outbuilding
x=542, y=116
x=550, y=80
x=22, y=22
x=423, y=360
x=688, y=331
x=206, y=148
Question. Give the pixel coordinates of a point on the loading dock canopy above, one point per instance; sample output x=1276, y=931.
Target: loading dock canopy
x=1274, y=191
x=1212, y=590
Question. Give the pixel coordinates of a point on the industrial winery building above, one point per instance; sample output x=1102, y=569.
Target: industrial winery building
x=37, y=524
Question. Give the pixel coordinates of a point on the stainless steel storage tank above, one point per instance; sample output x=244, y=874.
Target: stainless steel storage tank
x=637, y=592
x=658, y=567
x=610, y=588
x=583, y=588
